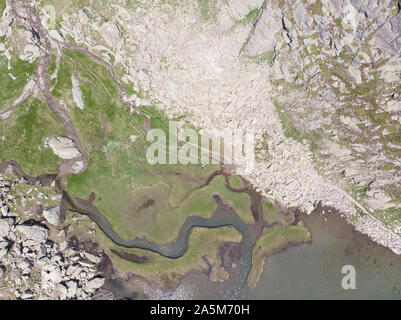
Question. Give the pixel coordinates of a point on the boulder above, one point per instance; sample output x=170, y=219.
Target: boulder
x=92, y=257
x=25, y=266
x=28, y=294
x=393, y=106
x=76, y=93
x=372, y=9
x=379, y=200
x=3, y=244
x=358, y=4
x=63, y=147
x=111, y=34
x=351, y=172
x=54, y=276
x=390, y=72
x=355, y=73
x=62, y=291
x=30, y=53
x=52, y=215
x=264, y=38
x=35, y=232
x=74, y=270
x=4, y=210
x=308, y=206
x=86, y=263
x=5, y=228
x=72, y=289
x=94, y=284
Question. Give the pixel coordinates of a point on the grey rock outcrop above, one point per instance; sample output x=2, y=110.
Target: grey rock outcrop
x=264, y=37
x=35, y=232
x=302, y=18
x=63, y=147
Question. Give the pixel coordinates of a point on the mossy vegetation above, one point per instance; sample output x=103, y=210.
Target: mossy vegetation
x=290, y=131
x=265, y=58
x=316, y=8
x=124, y=182
x=274, y=240
x=250, y=17
x=262, y=147
x=208, y=9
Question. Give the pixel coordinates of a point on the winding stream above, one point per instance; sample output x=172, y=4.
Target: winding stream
x=224, y=215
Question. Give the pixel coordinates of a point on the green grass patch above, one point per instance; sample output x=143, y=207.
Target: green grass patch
x=359, y=212
x=2, y=6
x=94, y=72
x=272, y=215
x=274, y=240
x=12, y=89
x=267, y=57
x=236, y=182
x=250, y=17
x=53, y=64
x=290, y=131
x=208, y=9
x=24, y=133
x=137, y=204
x=63, y=85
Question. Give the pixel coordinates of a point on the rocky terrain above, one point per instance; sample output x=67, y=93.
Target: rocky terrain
x=36, y=260
x=317, y=81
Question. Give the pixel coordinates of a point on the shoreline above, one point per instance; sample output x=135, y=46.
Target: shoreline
x=47, y=179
